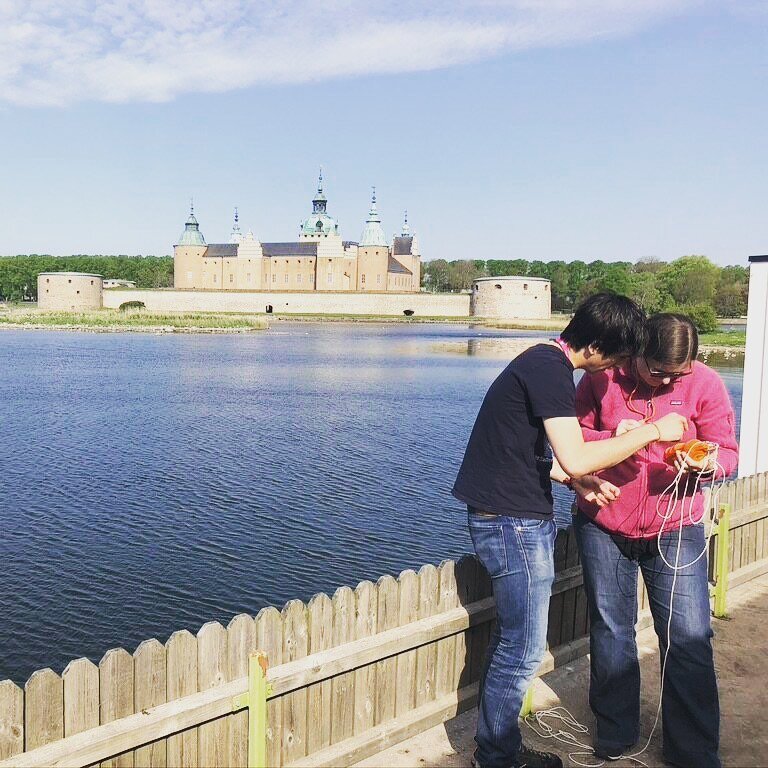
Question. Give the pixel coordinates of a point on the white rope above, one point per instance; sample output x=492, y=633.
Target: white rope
x=536, y=721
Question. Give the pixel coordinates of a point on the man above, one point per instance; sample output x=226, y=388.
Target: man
x=505, y=481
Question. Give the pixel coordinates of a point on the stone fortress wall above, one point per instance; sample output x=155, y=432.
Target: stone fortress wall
x=295, y=302
x=517, y=298
x=511, y=297
x=69, y=291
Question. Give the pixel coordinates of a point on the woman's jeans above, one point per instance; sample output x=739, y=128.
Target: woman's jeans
x=690, y=709
x=518, y=555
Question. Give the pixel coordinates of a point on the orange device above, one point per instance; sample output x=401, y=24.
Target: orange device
x=695, y=449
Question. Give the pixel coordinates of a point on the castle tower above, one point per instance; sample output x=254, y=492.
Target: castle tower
x=319, y=224
x=188, y=254
x=191, y=234
x=405, y=249
x=373, y=253
x=373, y=233
x=236, y=236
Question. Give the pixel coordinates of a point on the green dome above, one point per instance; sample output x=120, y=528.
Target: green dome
x=373, y=233
x=319, y=223
x=191, y=234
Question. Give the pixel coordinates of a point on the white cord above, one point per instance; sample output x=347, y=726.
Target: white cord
x=536, y=721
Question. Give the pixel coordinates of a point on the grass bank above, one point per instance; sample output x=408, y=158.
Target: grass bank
x=106, y=320
x=723, y=339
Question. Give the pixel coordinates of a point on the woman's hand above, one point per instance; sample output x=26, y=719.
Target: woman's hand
x=595, y=490
x=625, y=425
x=685, y=463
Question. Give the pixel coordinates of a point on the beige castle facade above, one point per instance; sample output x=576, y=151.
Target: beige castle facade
x=320, y=260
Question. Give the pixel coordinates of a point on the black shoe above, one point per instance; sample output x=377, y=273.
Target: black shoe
x=611, y=753
x=532, y=758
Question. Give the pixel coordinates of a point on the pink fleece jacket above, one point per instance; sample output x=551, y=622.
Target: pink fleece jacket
x=604, y=399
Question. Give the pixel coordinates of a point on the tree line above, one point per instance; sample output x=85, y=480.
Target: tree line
x=18, y=274
x=690, y=284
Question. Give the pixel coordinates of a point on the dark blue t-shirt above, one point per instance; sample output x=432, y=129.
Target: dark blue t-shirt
x=508, y=459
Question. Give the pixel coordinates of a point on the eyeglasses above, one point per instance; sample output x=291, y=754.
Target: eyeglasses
x=657, y=374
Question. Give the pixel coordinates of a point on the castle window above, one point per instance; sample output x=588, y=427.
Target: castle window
x=214, y=278
x=525, y=286
x=47, y=279
x=362, y=280
x=298, y=278
x=78, y=291
x=91, y=282
x=330, y=277
x=497, y=286
x=69, y=281
x=378, y=279
x=274, y=278
x=231, y=278
x=248, y=277
x=546, y=286
x=311, y=278
x=286, y=278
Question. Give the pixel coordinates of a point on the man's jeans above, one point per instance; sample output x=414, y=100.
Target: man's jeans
x=518, y=555
x=690, y=709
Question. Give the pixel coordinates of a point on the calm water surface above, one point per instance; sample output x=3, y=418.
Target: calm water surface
x=152, y=483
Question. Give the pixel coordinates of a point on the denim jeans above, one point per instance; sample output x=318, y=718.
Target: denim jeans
x=518, y=555
x=690, y=708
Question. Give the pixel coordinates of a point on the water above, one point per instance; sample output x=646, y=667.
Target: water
x=155, y=482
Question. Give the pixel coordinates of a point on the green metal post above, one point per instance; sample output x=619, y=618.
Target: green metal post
x=259, y=690
x=257, y=710
x=527, y=707
x=721, y=563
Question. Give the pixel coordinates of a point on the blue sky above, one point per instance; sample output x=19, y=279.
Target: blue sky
x=565, y=129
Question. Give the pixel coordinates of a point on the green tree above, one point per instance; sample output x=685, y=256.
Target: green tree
x=690, y=280
x=703, y=316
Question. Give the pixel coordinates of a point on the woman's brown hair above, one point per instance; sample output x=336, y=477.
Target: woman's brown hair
x=671, y=339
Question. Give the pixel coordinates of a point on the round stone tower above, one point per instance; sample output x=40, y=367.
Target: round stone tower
x=510, y=298
x=69, y=291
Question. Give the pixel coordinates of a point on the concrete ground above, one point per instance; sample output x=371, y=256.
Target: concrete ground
x=741, y=658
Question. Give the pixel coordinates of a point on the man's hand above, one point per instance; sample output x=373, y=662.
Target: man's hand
x=625, y=425
x=595, y=490
x=671, y=427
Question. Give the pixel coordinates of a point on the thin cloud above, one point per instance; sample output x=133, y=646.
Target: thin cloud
x=60, y=52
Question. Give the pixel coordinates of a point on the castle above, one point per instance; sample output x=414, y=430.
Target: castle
x=318, y=261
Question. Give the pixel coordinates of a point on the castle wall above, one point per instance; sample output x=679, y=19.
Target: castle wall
x=511, y=298
x=69, y=291
x=310, y=302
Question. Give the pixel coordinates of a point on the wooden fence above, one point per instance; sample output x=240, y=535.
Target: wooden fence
x=350, y=674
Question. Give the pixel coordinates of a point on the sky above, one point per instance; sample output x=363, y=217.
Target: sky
x=535, y=129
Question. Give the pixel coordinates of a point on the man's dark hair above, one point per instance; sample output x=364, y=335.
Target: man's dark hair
x=614, y=325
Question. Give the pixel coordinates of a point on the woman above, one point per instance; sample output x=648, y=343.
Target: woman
x=655, y=526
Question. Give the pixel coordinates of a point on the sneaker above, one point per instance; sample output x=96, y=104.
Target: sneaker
x=532, y=758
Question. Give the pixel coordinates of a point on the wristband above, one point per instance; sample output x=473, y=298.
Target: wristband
x=658, y=431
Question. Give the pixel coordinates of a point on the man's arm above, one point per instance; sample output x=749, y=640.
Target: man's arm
x=578, y=457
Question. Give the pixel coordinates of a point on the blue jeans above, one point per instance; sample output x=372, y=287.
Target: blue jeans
x=690, y=708
x=518, y=555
